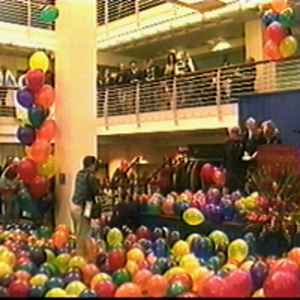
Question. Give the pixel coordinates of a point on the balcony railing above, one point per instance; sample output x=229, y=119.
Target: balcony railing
x=212, y=87
x=24, y=12
x=112, y=10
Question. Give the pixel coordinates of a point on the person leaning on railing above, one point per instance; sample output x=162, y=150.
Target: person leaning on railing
x=121, y=79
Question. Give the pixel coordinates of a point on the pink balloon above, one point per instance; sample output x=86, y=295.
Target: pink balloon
x=39, y=187
x=272, y=50
x=239, y=284
x=27, y=169
x=168, y=207
x=214, y=286
x=276, y=32
x=35, y=80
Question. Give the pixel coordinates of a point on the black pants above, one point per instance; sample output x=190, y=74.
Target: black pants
x=236, y=181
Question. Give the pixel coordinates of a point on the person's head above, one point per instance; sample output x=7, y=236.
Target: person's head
x=235, y=133
x=268, y=129
x=121, y=67
x=3, y=68
x=107, y=72
x=250, y=60
x=133, y=65
x=250, y=124
x=150, y=62
x=90, y=163
x=171, y=58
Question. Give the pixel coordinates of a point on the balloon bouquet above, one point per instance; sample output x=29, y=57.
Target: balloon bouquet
x=278, y=21
x=38, y=166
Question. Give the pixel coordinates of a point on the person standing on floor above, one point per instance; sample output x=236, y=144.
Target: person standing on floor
x=86, y=189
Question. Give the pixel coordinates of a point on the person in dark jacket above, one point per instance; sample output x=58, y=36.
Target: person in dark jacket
x=86, y=189
x=232, y=160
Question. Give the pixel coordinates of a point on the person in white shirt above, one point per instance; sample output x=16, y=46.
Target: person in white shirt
x=6, y=80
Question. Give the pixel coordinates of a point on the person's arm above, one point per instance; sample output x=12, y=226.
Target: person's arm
x=94, y=186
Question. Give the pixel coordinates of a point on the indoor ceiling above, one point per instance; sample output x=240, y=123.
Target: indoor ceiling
x=15, y=51
x=186, y=38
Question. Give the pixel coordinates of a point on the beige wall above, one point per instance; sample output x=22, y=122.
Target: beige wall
x=13, y=62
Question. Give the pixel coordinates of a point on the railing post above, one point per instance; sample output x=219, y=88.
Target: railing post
x=218, y=97
x=106, y=12
x=28, y=17
x=137, y=105
x=174, y=101
x=137, y=12
x=105, y=109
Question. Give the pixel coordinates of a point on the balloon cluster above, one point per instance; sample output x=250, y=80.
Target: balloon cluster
x=278, y=21
x=36, y=169
x=194, y=208
x=144, y=263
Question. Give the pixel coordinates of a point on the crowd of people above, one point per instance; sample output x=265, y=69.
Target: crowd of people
x=241, y=149
x=198, y=89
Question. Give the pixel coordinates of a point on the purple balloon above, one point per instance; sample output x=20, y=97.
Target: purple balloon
x=70, y=277
x=25, y=98
x=26, y=135
x=213, y=196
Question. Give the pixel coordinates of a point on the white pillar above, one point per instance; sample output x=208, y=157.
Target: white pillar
x=75, y=70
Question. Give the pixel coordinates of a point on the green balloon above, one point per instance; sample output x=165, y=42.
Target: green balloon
x=36, y=116
x=153, y=208
x=177, y=288
x=49, y=14
x=28, y=267
x=62, y=261
x=44, y=232
x=120, y=277
x=54, y=271
x=50, y=256
x=26, y=203
x=287, y=17
x=220, y=240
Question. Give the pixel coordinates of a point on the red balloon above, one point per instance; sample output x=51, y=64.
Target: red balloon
x=89, y=271
x=143, y=233
x=282, y=284
x=168, y=207
x=219, y=178
x=214, y=286
x=143, y=264
x=27, y=169
x=105, y=289
x=239, y=284
x=285, y=265
x=131, y=237
x=39, y=187
x=39, y=151
x=19, y=288
x=206, y=173
x=276, y=32
x=272, y=50
x=45, y=96
x=35, y=80
x=116, y=259
x=47, y=131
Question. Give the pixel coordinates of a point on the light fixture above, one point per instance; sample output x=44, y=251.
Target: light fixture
x=221, y=46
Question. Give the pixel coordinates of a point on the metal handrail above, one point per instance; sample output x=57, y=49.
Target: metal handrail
x=201, y=88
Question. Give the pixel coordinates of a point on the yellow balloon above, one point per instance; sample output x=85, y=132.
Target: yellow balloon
x=48, y=168
x=198, y=276
x=39, y=60
x=192, y=216
x=3, y=249
x=132, y=267
x=189, y=263
x=259, y=294
x=56, y=292
x=190, y=238
x=5, y=269
x=98, y=278
x=39, y=279
x=114, y=236
x=238, y=250
x=77, y=261
x=288, y=47
x=135, y=255
x=229, y=267
x=247, y=265
x=220, y=240
x=180, y=249
x=75, y=288
x=9, y=258
x=174, y=271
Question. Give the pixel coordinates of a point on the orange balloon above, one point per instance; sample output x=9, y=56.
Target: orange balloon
x=279, y=5
x=45, y=97
x=294, y=255
x=22, y=275
x=62, y=227
x=157, y=286
x=47, y=131
x=39, y=151
x=141, y=278
x=59, y=239
x=89, y=271
x=128, y=290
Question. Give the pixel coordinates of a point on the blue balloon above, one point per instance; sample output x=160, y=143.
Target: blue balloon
x=269, y=17
x=160, y=248
x=258, y=272
x=88, y=294
x=146, y=244
x=202, y=247
x=37, y=291
x=55, y=282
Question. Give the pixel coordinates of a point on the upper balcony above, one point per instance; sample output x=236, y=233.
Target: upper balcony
x=199, y=100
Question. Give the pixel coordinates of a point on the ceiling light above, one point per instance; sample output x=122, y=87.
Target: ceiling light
x=221, y=46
